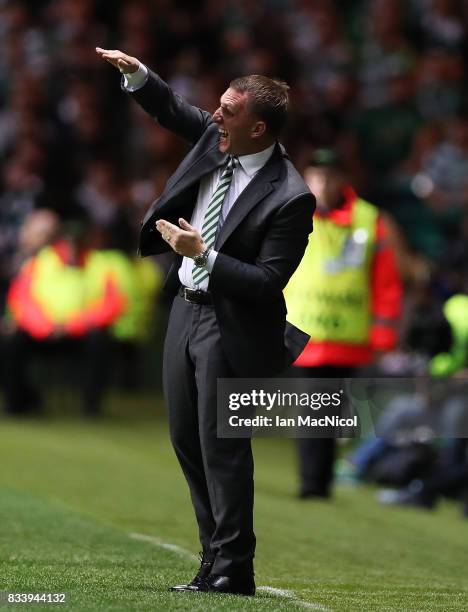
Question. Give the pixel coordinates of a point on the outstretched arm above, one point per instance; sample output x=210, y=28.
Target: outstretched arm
x=158, y=99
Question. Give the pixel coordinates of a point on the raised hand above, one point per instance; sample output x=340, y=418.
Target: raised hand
x=125, y=63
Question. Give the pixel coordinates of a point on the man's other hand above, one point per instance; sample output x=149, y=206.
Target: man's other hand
x=184, y=240
x=125, y=63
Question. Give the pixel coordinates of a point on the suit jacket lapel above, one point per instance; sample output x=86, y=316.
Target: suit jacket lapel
x=202, y=166
x=258, y=188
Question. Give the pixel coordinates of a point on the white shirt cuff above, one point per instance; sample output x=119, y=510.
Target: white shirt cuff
x=135, y=80
x=211, y=260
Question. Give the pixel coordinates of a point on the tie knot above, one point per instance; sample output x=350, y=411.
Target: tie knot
x=232, y=162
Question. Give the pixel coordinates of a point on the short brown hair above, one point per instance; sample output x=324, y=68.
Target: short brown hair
x=268, y=99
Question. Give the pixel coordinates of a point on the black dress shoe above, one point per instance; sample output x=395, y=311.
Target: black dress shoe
x=202, y=574
x=228, y=584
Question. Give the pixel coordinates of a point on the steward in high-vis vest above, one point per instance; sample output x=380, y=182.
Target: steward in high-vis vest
x=346, y=293
x=66, y=297
x=53, y=293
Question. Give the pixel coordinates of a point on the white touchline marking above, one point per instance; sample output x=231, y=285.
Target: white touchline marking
x=183, y=552
x=291, y=596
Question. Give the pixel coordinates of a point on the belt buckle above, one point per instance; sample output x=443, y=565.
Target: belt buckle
x=190, y=295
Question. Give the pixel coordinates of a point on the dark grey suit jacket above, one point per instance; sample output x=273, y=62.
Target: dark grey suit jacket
x=259, y=246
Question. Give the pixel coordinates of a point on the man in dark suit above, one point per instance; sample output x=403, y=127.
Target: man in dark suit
x=250, y=216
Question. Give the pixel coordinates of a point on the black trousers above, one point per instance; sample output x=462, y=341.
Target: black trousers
x=89, y=358
x=219, y=471
x=317, y=455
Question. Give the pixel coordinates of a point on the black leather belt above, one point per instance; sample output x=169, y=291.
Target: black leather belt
x=196, y=296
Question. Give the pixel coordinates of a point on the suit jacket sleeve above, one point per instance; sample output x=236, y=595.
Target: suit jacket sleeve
x=280, y=254
x=171, y=110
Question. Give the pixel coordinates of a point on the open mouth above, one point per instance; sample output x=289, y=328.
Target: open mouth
x=223, y=133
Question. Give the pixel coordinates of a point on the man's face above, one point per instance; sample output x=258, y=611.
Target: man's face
x=327, y=186
x=236, y=125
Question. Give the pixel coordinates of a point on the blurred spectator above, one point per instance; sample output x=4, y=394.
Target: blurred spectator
x=100, y=194
x=447, y=477
x=441, y=22
x=385, y=134
x=386, y=51
x=404, y=195
x=65, y=297
x=323, y=57
x=440, y=84
x=447, y=169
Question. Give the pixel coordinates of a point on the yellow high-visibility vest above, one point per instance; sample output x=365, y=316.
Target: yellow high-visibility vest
x=140, y=281
x=456, y=313
x=328, y=296
x=64, y=291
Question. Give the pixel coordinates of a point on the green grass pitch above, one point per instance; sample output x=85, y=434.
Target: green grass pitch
x=72, y=493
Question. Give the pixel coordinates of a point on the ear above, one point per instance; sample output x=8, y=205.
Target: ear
x=258, y=129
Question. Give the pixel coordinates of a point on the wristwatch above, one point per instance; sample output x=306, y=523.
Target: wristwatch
x=201, y=259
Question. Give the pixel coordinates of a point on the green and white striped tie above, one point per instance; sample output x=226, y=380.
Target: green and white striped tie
x=211, y=219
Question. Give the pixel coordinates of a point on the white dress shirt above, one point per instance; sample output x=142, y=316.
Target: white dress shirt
x=244, y=172
x=135, y=80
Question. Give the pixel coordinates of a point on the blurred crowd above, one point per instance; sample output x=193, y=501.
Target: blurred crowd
x=384, y=82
